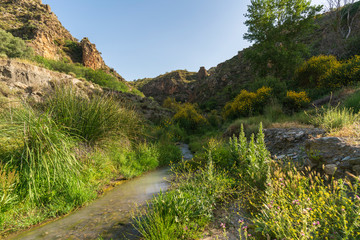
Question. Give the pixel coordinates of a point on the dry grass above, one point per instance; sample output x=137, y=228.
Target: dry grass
x=351, y=134
x=290, y=125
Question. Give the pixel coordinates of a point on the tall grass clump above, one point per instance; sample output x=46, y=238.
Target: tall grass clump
x=94, y=118
x=183, y=213
x=302, y=205
x=334, y=118
x=42, y=155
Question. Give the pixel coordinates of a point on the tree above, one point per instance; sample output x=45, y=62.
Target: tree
x=275, y=26
x=344, y=13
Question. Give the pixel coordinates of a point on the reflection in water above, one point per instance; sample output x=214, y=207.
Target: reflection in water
x=109, y=216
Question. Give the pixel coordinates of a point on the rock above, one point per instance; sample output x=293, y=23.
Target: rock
x=202, y=73
x=330, y=169
x=356, y=169
x=91, y=56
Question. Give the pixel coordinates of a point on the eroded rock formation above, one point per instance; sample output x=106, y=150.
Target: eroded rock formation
x=91, y=57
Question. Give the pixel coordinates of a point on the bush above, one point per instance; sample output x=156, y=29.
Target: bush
x=295, y=101
x=13, y=47
x=278, y=87
x=302, y=206
x=312, y=71
x=247, y=103
x=171, y=103
x=334, y=118
x=92, y=119
x=169, y=153
x=348, y=73
x=188, y=117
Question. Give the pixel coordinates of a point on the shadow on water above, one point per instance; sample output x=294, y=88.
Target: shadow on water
x=109, y=216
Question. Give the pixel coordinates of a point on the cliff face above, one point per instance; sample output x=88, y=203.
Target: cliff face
x=35, y=22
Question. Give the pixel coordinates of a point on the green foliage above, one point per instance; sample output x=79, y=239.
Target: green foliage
x=278, y=87
x=13, y=47
x=142, y=158
x=96, y=76
x=295, y=101
x=304, y=206
x=274, y=27
x=311, y=72
x=171, y=103
x=8, y=180
x=334, y=118
x=348, y=73
x=353, y=102
x=189, y=118
x=182, y=213
x=247, y=103
x=93, y=119
x=169, y=153
x=43, y=156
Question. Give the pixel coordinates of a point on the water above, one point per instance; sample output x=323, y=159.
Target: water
x=109, y=216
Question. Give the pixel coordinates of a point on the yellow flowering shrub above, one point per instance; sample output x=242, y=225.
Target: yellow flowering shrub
x=300, y=206
x=310, y=73
x=171, y=103
x=188, y=117
x=348, y=73
x=296, y=100
x=247, y=103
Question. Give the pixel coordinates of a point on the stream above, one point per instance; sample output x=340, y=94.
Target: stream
x=108, y=217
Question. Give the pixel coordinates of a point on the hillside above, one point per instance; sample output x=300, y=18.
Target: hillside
x=227, y=79
x=35, y=23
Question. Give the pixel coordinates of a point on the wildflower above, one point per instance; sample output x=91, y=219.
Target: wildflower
x=222, y=225
x=241, y=220
x=185, y=228
x=358, y=198
x=244, y=228
x=316, y=223
x=249, y=235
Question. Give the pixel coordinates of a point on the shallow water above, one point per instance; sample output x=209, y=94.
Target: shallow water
x=110, y=216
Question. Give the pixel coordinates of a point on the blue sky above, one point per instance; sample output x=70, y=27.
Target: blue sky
x=146, y=38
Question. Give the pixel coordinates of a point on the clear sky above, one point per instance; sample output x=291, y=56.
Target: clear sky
x=146, y=38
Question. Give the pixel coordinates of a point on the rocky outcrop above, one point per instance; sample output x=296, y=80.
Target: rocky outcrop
x=23, y=80
x=310, y=147
x=177, y=84
x=91, y=57
x=334, y=155
x=202, y=73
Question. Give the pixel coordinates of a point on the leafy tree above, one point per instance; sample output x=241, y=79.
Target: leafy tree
x=275, y=26
x=13, y=47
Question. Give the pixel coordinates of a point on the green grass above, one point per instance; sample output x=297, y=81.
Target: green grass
x=353, y=102
x=334, y=118
x=93, y=119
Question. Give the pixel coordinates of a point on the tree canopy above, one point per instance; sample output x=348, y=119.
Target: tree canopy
x=275, y=26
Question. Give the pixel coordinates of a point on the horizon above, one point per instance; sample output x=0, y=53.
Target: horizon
x=149, y=39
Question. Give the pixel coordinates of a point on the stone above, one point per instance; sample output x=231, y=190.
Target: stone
x=91, y=56
x=330, y=169
x=202, y=73
x=356, y=169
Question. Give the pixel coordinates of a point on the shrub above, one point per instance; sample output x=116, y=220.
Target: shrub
x=334, y=118
x=169, y=153
x=311, y=72
x=189, y=118
x=247, y=103
x=171, y=103
x=13, y=47
x=92, y=119
x=348, y=73
x=295, y=101
x=278, y=87
x=304, y=206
